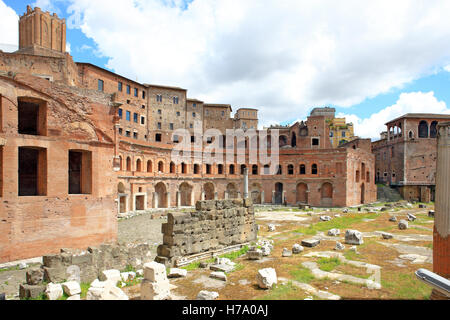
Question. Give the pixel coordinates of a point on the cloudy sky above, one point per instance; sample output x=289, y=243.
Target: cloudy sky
x=371, y=60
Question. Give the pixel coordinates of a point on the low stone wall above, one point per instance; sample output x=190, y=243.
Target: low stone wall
x=216, y=224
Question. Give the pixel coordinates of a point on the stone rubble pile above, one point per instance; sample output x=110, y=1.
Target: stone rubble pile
x=216, y=224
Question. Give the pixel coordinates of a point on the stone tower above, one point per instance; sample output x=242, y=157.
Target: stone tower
x=41, y=33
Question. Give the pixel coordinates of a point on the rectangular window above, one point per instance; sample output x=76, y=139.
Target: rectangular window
x=178, y=113
x=120, y=131
x=175, y=138
x=128, y=116
x=128, y=133
x=100, y=85
x=171, y=126
x=143, y=94
x=159, y=111
x=119, y=86
x=128, y=89
x=135, y=117
x=158, y=137
x=193, y=114
x=135, y=92
x=191, y=125
x=120, y=113
x=343, y=134
x=135, y=135
x=159, y=125
x=142, y=120
x=32, y=118
x=194, y=105
x=315, y=141
x=80, y=172
x=32, y=171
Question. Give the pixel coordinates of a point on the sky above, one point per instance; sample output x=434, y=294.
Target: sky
x=372, y=61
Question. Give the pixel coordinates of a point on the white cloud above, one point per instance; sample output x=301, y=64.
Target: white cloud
x=282, y=57
x=9, y=33
x=414, y=102
x=68, y=47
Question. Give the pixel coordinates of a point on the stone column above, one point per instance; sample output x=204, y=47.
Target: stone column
x=441, y=234
x=203, y=195
x=155, y=200
x=245, y=183
x=263, y=199
x=178, y=199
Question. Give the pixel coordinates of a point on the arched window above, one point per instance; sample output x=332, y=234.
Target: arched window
x=172, y=167
x=149, y=166
x=433, y=129
x=423, y=129
x=220, y=169
x=314, y=169
x=160, y=166
x=208, y=169
x=411, y=134
x=183, y=168
x=196, y=169
x=302, y=169
x=138, y=165
x=231, y=171
x=290, y=169
x=243, y=167
x=128, y=164
x=254, y=169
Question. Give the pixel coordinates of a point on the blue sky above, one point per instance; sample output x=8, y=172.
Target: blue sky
x=220, y=53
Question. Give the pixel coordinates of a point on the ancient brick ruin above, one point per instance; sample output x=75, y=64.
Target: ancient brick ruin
x=213, y=226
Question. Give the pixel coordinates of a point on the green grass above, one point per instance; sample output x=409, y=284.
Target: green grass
x=407, y=287
x=281, y=292
x=328, y=264
x=41, y=296
x=129, y=268
x=336, y=223
x=302, y=274
x=84, y=289
x=10, y=269
x=64, y=297
x=232, y=256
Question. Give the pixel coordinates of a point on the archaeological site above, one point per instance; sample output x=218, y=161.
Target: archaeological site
x=113, y=189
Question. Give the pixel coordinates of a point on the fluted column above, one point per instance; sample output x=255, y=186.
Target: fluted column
x=441, y=239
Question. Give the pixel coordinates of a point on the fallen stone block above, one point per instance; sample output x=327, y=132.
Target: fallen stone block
x=403, y=225
x=266, y=278
x=74, y=297
x=155, y=272
x=339, y=246
x=353, y=237
x=296, y=249
x=71, y=288
x=266, y=250
x=393, y=219
x=54, y=291
x=387, y=236
x=286, y=253
x=27, y=291
x=334, y=232
x=155, y=290
x=115, y=293
x=325, y=218
x=271, y=228
x=222, y=267
x=254, y=254
x=431, y=213
x=2, y=296
x=35, y=276
x=411, y=217
x=112, y=275
x=55, y=275
x=207, y=295
x=23, y=265
x=310, y=243
x=177, y=273
x=218, y=275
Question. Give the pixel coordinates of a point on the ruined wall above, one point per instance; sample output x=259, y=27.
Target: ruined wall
x=214, y=225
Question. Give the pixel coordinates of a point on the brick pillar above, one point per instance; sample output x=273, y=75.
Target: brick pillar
x=441, y=238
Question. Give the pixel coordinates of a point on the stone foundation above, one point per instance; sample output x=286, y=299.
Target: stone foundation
x=215, y=225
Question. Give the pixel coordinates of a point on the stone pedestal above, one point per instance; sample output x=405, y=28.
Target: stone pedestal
x=441, y=238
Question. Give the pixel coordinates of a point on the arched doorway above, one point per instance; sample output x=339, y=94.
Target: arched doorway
x=302, y=193
x=160, y=195
x=232, y=191
x=278, y=193
x=326, y=193
x=185, y=194
x=208, y=188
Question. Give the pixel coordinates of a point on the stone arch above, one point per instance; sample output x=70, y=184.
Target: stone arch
x=185, y=190
x=161, y=195
x=302, y=193
x=232, y=191
x=326, y=194
x=423, y=129
x=255, y=193
x=208, y=189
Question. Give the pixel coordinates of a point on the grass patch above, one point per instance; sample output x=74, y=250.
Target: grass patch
x=328, y=264
x=284, y=292
x=405, y=286
x=129, y=268
x=10, y=269
x=429, y=245
x=302, y=274
x=232, y=256
x=84, y=289
x=336, y=223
